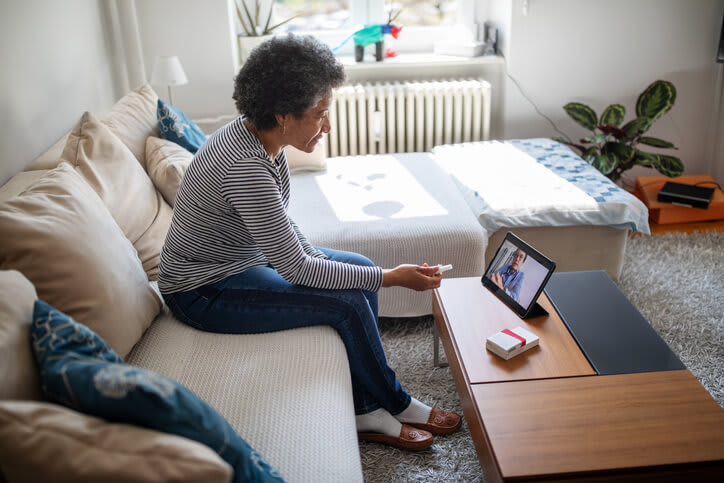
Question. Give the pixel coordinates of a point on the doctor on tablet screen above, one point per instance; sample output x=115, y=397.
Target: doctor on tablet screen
x=510, y=277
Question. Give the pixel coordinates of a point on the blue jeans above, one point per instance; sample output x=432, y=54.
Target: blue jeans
x=259, y=300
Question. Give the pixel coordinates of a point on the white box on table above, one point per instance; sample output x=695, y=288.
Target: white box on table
x=505, y=344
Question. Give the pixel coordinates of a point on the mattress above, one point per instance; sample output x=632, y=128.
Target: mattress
x=537, y=182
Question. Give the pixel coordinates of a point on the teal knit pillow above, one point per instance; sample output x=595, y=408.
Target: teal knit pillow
x=175, y=126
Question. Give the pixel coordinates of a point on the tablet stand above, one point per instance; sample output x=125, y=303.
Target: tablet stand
x=537, y=311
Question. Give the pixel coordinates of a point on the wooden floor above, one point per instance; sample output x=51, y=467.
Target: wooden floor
x=702, y=226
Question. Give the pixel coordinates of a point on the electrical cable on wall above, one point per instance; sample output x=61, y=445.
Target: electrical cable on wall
x=525, y=96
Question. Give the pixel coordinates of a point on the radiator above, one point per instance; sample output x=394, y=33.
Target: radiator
x=407, y=117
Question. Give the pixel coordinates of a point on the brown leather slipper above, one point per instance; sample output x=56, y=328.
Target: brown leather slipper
x=410, y=438
x=440, y=422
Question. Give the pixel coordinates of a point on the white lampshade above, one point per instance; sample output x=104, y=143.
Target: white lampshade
x=168, y=71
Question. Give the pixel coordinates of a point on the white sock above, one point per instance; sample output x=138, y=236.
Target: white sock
x=378, y=421
x=416, y=412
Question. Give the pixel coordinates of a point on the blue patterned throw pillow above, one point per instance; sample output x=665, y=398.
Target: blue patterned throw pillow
x=175, y=126
x=79, y=370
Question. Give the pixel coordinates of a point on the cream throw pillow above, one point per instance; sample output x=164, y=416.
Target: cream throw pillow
x=47, y=442
x=113, y=172
x=19, y=183
x=301, y=161
x=133, y=119
x=18, y=369
x=166, y=163
x=59, y=234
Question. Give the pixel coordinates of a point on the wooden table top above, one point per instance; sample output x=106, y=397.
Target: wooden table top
x=473, y=314
x=602, y=423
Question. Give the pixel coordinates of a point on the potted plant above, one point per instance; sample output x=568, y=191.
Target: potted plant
x=613, y=148
x=254, y=31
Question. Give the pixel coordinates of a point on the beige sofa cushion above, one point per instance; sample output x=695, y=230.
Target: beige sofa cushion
x=19, y=183
x=166, y=163
x=50, y=158
x=47, y=442
x=112, y=171
x=133, y=119
x=59, y=234
x=18, y=370
x=287, y=393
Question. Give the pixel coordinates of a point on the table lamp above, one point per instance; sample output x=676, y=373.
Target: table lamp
x=167, y=70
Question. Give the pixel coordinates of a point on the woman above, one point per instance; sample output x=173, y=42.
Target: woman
x=234, y=262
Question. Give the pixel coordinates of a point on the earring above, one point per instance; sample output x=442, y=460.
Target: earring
x=284, y=129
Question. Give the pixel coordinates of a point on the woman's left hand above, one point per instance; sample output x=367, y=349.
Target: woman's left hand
x=415, y=277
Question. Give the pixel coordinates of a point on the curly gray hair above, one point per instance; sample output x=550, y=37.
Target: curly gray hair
x=285, y=75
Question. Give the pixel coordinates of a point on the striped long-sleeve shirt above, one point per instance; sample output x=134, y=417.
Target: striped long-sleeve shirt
x=231, y=214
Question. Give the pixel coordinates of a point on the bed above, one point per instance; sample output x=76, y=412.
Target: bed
x=394, y=209
x=548, y=196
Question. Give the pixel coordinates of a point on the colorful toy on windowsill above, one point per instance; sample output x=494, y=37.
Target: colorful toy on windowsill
x=374, y=34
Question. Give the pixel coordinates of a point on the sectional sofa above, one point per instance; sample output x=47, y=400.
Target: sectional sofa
x=82, y=230
x=84, y=235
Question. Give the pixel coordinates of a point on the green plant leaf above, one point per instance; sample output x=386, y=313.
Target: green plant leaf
x=582, y=114
x=656, y=100
x=623, y=152
x=642, y=158
x=636, y=127
x=596, y=139
x=605, y=163
x=656, y=142
x=670, y=166
x=613, y=114
x=590, y=151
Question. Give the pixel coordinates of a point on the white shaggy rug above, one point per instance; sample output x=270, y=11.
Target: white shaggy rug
x=676, y=282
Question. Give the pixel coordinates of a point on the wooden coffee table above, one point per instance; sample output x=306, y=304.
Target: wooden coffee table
x=545, y=414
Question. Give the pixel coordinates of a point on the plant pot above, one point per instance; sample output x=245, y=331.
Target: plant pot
x=247, y=44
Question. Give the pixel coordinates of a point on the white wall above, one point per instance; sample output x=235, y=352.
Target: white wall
x=603, y=52
x=56, y=64
x=199, y=32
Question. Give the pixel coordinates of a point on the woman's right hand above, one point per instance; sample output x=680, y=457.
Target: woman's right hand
x=415, y=277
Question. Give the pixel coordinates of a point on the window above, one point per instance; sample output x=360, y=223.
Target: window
x=334, y=21
x=341, y=14
x=423, y=21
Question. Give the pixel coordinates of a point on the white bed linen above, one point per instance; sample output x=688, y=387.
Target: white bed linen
x=537, y=182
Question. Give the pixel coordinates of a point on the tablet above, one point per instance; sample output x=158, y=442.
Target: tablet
x=517, y=274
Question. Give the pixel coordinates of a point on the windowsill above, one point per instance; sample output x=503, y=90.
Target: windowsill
x=418, y=60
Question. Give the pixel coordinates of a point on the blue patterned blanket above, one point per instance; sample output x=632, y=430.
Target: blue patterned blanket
x=537, y=182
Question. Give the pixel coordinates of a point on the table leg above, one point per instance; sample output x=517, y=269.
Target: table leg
x=436, y=349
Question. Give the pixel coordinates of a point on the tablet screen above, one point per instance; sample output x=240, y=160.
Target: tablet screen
x=517, y=274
